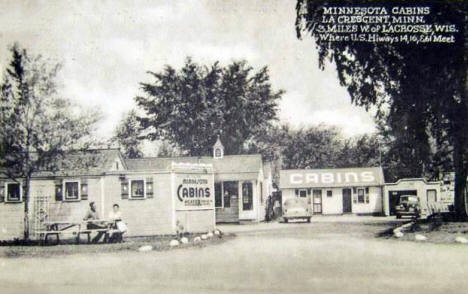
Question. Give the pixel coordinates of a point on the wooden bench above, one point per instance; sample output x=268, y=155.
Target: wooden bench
x=88, y=233
x=43, y=240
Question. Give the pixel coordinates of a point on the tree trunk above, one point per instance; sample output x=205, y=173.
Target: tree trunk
x=26, y=206
x=460, y=186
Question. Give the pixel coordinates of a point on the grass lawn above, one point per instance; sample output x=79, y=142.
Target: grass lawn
x=159, y=243
x=441, y=233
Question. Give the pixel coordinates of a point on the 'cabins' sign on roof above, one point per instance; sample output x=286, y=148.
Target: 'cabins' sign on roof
x=339, y=177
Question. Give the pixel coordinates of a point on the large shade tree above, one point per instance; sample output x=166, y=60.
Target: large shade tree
x=419, y=90
x=37, y=126
x=189, y=107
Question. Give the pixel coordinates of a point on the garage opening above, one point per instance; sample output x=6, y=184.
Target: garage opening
x=394, y=196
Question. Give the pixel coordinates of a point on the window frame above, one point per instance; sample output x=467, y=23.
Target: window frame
x=299, y=193
x=427, y=194
x=329, y=193
x=130, y=191
x=7, y=199
x=64, y=189
x=363, y=195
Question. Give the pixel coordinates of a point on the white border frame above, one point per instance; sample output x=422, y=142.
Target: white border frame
x=130, y=196
x=6, y=192
x=64, y=191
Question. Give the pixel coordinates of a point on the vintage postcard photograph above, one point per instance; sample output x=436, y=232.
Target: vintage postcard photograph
x=233, y=146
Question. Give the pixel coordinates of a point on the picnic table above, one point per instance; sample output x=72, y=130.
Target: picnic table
x=58, y=228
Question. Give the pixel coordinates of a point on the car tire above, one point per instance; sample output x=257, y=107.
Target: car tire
x=398, y=216
x=285, y=220
x=308, y=219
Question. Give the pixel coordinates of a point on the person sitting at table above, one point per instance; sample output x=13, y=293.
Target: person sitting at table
x=116, y=216
x=90, y=216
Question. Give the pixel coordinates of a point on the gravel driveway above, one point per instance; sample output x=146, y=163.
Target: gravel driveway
x=320, y=257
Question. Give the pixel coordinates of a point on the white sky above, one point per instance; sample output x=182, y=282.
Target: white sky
x=106, y=47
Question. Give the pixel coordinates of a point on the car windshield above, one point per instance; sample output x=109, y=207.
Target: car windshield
x=408, y=199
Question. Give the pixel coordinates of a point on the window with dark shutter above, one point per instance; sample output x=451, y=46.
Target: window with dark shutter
x=149, y=187
x=124, y=189
x=84, y=189
x=2, y=191
x=58, y=190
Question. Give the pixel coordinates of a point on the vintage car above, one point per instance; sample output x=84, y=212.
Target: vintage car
x=296, y=208
x=408, y=205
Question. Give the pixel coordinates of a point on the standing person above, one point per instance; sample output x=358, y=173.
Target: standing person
x=116, y=216
x=277, y=208
x=90, y=216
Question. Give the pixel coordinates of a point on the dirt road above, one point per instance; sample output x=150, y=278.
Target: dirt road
x=321, y=257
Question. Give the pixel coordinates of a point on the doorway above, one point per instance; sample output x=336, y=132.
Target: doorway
x=317, y=200
x=347, y=201
x=228, y=204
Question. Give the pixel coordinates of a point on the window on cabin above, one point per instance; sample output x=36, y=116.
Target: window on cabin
x=360, y=193
x=137, y=189
x=13, y=192
x=303, y=193
x=72, y=190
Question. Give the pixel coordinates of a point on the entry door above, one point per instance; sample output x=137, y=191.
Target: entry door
x=230, y=210
x=317, y=198
x=347, y=200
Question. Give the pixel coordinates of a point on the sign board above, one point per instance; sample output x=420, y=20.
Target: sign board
x=331, y=177
x=194, y=191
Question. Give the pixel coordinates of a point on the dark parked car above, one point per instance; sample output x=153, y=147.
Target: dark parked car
x=408, y=205
x=296, y=208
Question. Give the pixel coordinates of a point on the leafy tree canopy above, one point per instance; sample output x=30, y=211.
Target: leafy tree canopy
x=37, y=126
x=189, y=107
x=418, y=90
x=126, y=136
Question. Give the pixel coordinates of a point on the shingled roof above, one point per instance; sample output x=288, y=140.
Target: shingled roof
x=228, y=164
x=84, y=162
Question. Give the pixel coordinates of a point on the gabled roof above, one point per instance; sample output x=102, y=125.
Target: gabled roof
x=228, y=164
x=218, y=143
x=87, y=162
